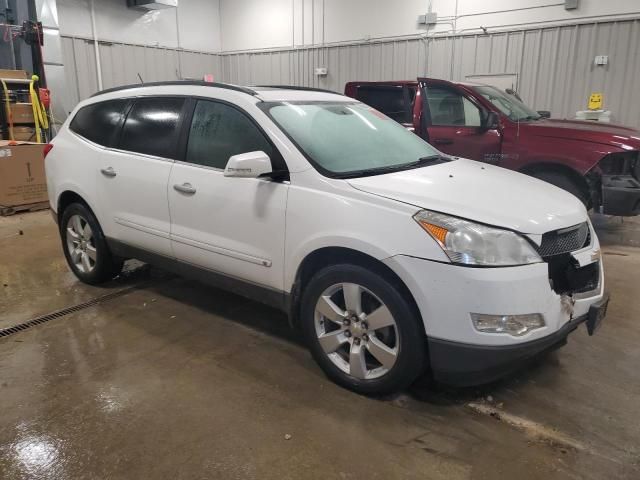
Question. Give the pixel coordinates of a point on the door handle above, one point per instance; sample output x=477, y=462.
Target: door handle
x=108, y=172
x=442, y=141
x=185, y=188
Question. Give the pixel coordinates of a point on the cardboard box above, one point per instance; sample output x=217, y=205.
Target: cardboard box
x=17, y=74
x=22, y=113
x=22, y=177
x=21, y=134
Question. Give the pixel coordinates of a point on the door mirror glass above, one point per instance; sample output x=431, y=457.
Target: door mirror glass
x=491, y=121
x=248, y=165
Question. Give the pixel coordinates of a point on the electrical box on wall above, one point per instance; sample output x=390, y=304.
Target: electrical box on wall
x=430, y=18
x=571, y=4
x=321, y=71
x=152, y=4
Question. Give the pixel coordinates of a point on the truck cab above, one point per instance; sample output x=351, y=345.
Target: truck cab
x=599, y=163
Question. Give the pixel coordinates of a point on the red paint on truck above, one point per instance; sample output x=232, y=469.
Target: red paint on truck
x=598, y=162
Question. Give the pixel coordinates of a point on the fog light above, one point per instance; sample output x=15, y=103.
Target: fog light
x=515, y=325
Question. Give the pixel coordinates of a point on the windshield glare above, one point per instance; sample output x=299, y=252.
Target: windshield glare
x=507, y=104
x=348, y=139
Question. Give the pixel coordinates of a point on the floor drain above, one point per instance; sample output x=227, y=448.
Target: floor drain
x=5, y=332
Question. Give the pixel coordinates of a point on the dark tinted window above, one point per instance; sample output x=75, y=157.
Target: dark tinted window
x=152, y=126
x=390, y=100
x=219, y=131
x=100, y=122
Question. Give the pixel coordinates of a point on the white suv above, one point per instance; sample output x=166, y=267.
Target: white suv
x=391, y=257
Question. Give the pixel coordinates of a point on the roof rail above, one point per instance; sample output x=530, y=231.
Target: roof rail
x=295, y=87
x=199, y=83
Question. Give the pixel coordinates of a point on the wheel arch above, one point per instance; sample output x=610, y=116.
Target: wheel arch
x=315, y=260
x=66, y=198
x=561, y=169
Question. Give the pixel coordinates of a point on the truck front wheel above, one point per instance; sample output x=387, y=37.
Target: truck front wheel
x=564, y=182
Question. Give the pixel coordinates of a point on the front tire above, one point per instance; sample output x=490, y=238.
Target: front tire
x=564, y=182
x=85, y=247
x=361, y=330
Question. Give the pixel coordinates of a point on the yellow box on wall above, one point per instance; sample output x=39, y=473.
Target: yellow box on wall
x=595, y=101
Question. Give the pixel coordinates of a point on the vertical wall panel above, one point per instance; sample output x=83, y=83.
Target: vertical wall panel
x=71, y=92
x=121, y=63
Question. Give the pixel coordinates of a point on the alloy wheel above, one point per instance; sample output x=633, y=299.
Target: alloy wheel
x=80, y=244
x=356, y=330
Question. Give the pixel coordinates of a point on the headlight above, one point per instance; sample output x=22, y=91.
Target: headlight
x=475, y=244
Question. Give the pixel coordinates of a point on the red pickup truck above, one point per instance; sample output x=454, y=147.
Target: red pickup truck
x=597, y=162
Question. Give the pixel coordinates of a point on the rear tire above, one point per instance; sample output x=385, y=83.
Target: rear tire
x=564, y=182
x=361, y=330
x=85, y=247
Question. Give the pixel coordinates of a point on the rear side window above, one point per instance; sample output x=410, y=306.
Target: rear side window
x=100, y=122
x=391, y=100
x=152, y=126
x=219, y=131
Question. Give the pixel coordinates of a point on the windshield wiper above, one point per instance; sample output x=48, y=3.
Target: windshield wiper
x=421, y=162
x=432, y=160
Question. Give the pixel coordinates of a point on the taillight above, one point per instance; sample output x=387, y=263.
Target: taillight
x=47, y=149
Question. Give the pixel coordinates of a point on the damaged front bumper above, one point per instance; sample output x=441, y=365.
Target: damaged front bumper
x=447, y=295
x=462, y=365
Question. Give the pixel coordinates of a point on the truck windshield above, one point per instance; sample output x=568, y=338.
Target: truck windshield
x=508, y=104
x=344, y=139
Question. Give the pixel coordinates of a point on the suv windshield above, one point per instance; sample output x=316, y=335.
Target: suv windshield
x=350, y=139
x=507, y=104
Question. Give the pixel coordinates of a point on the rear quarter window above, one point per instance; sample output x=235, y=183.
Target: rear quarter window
x=100, y=122
x=388, y=99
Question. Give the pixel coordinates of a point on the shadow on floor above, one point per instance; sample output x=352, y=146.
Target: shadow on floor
x=273, y=322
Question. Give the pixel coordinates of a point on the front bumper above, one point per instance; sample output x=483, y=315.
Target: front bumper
x=462, y=365
x=620, y=195
x=447, y=294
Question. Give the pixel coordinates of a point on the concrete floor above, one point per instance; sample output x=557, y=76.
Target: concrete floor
x=176, y=380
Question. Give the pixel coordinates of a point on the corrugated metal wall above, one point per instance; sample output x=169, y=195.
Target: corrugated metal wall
x=555, y=66
x=121, y=63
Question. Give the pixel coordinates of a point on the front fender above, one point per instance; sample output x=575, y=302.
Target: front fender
x=326, y=241
x=578, y=155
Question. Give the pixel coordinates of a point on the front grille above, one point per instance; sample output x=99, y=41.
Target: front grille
x=565, y=240
x=567, y=277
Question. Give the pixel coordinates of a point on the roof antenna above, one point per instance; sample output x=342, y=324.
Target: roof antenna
x=140, y=77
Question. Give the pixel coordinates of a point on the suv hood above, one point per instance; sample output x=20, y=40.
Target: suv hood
x=603, y=133
x=482, y=193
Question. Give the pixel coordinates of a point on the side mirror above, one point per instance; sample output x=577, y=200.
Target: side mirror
x=544, y=113
x=248, y=165
x=491, y=122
